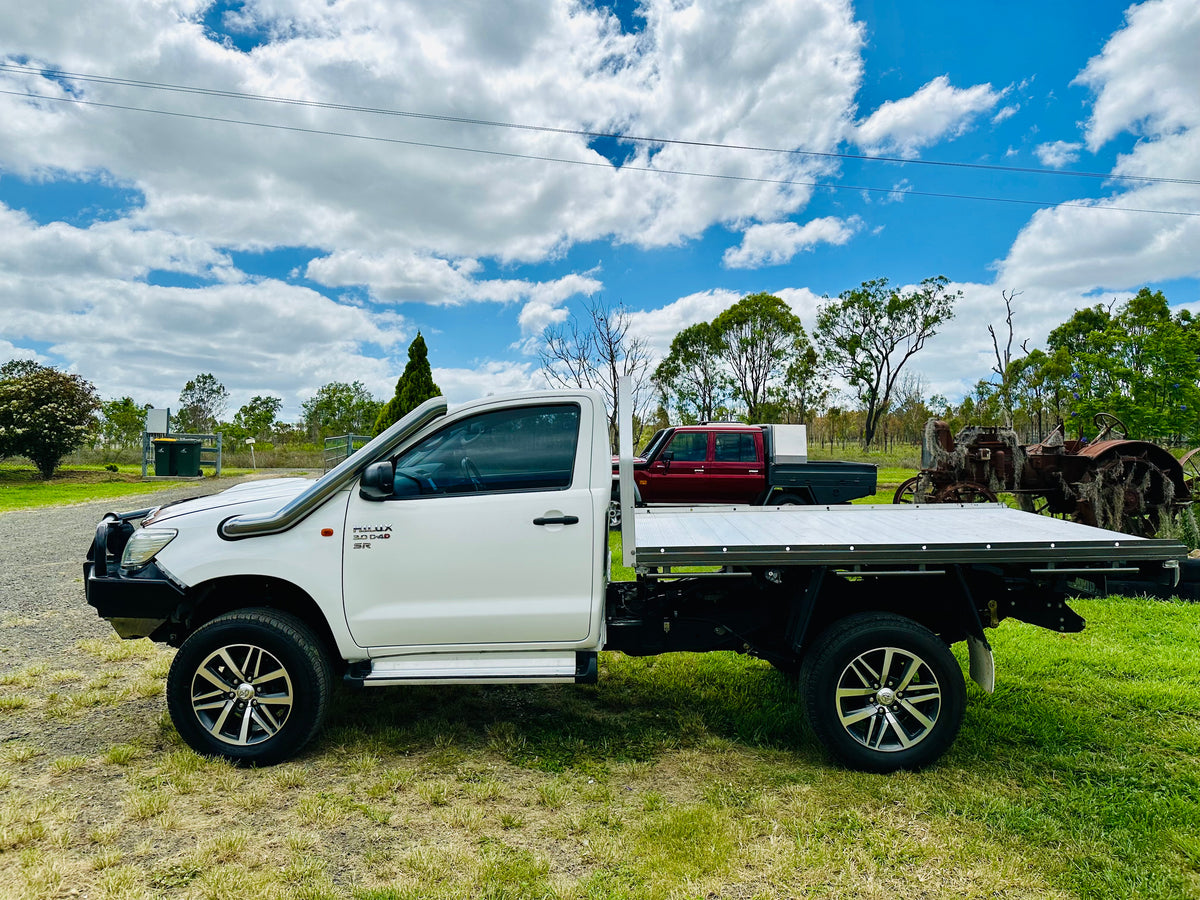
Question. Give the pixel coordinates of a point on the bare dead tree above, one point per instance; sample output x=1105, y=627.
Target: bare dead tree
x=595, y=351
x=1003, y=359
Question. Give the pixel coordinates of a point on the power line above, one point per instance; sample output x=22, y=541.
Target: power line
x=490, y=123
x=589, y=163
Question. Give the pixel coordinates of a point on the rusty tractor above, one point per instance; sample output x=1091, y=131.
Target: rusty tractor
x=1110, y=481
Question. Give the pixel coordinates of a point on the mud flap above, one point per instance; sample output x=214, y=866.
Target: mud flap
x=982, y=664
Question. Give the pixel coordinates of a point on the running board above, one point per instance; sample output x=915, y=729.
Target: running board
x=572, y=667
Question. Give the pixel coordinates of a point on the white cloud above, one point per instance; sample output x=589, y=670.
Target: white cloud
x=1057, y=154
x=81, y=292
x=777, y=242
x=1146, y=76
x=804, y=303
x=935, y=112
x=392, y=221
x=1006, y=112
x=422, y=277
x=496, y=377
x=1143, y=80
x=659, y=326
x=561, y=64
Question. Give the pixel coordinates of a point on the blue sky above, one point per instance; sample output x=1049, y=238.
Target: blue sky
x=147, y=235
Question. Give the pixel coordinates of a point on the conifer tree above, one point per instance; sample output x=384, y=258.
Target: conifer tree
x=413, y=388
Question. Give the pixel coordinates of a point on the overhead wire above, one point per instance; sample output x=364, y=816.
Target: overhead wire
x=906, y=191
x=550, y=129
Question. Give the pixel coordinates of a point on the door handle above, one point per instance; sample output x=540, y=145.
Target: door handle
x=556, y=520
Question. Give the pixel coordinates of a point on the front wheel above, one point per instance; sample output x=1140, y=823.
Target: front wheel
x=251, y=686
x=883, y=693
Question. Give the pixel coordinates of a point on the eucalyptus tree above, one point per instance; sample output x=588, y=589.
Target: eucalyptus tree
x=870, y=332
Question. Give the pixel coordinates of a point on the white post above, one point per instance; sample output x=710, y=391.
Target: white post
x=625, y=468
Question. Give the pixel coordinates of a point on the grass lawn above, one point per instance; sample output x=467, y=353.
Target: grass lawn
x=675, y=777
x=23, y=488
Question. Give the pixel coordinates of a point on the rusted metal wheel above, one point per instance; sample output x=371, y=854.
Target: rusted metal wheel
x=1108, y=423
x=908, y=492
x=965, y=492
x=1134, y=495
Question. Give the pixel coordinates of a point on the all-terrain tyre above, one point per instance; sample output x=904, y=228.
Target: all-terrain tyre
x=251, y=686
x=883, y=692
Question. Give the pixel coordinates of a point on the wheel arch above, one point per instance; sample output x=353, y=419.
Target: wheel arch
x=944, y=608
x=211, y=599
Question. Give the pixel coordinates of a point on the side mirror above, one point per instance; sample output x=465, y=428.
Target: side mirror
x=666, y=458
x=376, y=481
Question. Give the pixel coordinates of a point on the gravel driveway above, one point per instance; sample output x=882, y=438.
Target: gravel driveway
x=43, y=613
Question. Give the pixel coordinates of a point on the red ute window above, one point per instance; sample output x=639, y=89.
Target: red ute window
x=689, y=446
x=735, y=448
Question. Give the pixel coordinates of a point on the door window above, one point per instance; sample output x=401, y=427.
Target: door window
x=529, y=448
x=732, y=447
x=689, y=446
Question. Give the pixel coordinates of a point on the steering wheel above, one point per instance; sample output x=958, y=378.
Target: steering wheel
x=1108, y=423
x=472, y=472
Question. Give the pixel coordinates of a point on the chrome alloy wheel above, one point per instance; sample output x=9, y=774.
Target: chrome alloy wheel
x=241, y=694
x=888, y=699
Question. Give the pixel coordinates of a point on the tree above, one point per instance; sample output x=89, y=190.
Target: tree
x=201, y=405
x=340, y=408
x=123, y=422
x=596, y=353
x=257, y=418
x=18, y=368
x=1136, y=361
x=413, y=388
x=692, y=377
x=44, y=414
x=870, y=332
x=1004, y=358
x=758, y=338
x=805, y=385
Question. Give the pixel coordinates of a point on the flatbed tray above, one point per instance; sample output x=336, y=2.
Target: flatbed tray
x=892, y=535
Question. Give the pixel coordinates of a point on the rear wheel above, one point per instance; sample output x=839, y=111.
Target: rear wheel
x=883, y=693
x=614, y=514
x=251, y=686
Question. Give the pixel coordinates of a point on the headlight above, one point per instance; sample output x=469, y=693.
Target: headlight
x=144, y=544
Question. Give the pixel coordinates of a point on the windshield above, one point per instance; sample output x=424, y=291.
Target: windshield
x=645, y=452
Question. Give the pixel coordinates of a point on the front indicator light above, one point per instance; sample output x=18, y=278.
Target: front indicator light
x=143, y=545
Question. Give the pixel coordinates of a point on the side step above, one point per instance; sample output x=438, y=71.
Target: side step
x=570, y=667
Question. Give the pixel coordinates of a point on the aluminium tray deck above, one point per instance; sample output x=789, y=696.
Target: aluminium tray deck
x=894, y=535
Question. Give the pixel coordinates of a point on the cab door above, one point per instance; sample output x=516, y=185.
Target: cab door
x=736, y=474
x=487, y=539
x=677, y=475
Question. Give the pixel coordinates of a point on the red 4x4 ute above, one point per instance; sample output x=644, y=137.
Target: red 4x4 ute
x=733, y=463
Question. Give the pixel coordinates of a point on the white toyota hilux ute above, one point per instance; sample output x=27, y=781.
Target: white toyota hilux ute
x=471, y=546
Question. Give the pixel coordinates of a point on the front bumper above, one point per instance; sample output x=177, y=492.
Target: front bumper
x=136, y=605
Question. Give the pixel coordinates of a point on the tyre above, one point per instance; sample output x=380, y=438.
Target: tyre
x=251, y=686
x=883, y=693
x=614, y=514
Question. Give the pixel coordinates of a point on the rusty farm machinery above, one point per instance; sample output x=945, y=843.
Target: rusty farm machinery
x=1110, y=481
